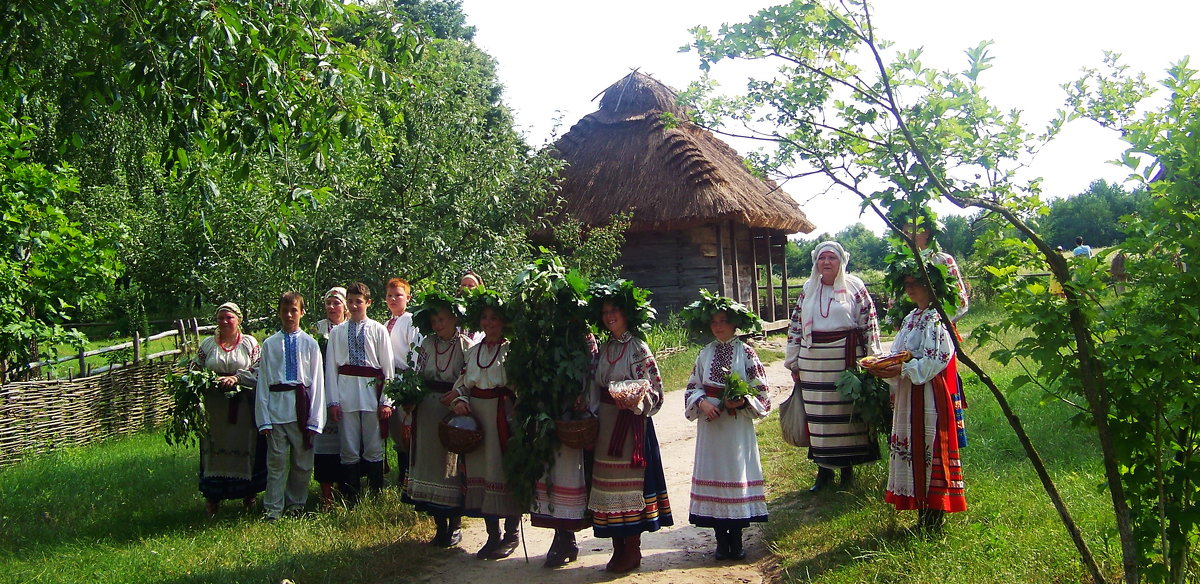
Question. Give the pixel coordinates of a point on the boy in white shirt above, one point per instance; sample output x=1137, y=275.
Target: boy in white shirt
x=405, y=338
x=358, y=363
x=289, y=406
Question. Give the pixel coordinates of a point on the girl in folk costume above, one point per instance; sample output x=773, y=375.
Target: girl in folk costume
x=483, y=390
x=435, y=484
x=629, y=492
x=832, y=324
x=726, y=393
x=327, y=468
x=924, y=468
x=233, y=457
x=359, y=363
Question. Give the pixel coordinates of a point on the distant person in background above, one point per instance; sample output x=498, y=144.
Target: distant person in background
x=233, y=457
x=1081, y=249
x=469, y=281
x=327, y=468
x=1119, y=275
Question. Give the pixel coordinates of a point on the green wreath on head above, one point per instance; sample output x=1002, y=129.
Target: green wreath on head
x=901, y=265
x=699, y=314
x=633, y=302
x=478, y=299
x=429, y=303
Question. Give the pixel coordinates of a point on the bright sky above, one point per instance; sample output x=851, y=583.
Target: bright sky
x=556, y=55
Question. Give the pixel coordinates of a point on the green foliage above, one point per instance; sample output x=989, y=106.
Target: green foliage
x=406, y=389
x=1094, y=214
x=699, y=314
x=548, y=363
x=871, y=396
x=593, y=250
x=480, y=299
x=187, y=421
x=867, y=250
x=902, y=264
x=736, y=388
x=49, y=267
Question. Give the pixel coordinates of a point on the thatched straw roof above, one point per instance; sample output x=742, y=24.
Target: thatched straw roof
x=623, y=158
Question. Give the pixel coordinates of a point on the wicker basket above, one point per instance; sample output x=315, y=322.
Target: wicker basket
x=580, y=434
x=460, y=440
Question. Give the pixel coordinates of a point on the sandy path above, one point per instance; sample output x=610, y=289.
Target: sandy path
x=682, y=553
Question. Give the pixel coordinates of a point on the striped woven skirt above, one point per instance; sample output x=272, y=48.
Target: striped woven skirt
x=627, y=499
x=434, y=484
x=561, y=503
x=924, y=468
x=839, y=435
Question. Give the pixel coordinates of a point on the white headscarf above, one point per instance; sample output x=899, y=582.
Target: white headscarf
x=809, y=307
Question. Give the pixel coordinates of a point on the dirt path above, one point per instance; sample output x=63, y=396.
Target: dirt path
x=683, y=553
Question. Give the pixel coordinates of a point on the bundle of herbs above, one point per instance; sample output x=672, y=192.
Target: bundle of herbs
x=187, y=420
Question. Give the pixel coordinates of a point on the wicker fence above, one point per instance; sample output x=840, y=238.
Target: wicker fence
x=39, y=416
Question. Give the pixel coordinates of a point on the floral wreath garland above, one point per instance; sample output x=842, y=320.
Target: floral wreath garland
x=430, y=303
x=902, y=264
x=634, y=303
x=481, y=298
x=699, y=314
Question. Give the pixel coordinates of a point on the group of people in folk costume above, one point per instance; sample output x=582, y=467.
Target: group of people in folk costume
x=321, y=413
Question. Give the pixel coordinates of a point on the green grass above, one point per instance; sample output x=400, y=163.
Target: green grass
x=128, y=511
x=1010, y=532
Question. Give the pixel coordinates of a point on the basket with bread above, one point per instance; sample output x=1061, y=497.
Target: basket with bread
x=885, y=360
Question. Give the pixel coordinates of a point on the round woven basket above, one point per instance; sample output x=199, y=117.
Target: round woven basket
x=459, y=440
x=580, y=434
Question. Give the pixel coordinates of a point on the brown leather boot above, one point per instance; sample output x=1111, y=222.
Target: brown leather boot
x=618, y=552
x=631, y=556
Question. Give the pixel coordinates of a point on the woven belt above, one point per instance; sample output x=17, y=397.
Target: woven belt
x=503, y=394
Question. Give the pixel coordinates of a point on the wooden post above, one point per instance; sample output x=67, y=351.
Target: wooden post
x=754, y=296
x=770, y=278
x=737, y=281
x=137, y=347
x=720, y=227
x=196, y=330
x=82, y=364
x=787, y=300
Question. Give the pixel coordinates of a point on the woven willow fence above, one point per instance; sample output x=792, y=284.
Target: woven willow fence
x=39, y=416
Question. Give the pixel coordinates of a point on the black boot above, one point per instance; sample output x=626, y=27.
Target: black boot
x=847, y=476
x=439, y=537
x=453, y=530
x=824, y=477
x=722, y=536
x=508, y=544
x=374, y=476
x=563, y=551
x=733, y=544
x=351, y=483
x=493, y=540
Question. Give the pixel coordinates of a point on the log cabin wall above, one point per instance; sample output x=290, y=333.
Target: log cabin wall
x=675, y=265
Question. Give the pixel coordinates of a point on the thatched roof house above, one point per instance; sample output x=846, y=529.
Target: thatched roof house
x=700, y=218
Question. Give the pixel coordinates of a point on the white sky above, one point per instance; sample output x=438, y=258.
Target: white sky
x=556, y=55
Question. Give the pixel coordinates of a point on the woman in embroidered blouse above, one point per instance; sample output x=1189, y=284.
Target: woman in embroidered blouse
x=629, y=491
x=924, y=468
x=483, y=390
x=727, y=481
x=434, y=483
x=832, y=325
x=233, y=457
x=327, y=446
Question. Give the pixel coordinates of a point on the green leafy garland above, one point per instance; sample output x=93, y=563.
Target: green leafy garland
x=480, y=299
x=188, y=422
x=901, y=265
x=699, y=314
x=871, y=397
x=431, y=302
x=547, y=365
x=634, y=302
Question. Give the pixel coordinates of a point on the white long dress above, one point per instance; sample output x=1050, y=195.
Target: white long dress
x=728, y=490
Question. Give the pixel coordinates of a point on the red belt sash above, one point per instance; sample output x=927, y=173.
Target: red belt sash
x=713, y=390
x=627, y=421
x=301, y=407
x=374, y=373
x=853, y=338
x=503, y=394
